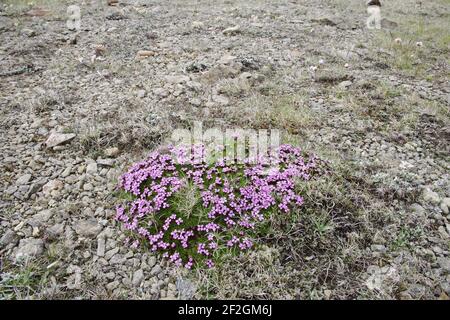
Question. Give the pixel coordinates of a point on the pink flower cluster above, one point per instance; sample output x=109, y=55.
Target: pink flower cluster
x=234, y=199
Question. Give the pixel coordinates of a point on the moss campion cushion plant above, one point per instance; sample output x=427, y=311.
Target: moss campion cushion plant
x=195, y=211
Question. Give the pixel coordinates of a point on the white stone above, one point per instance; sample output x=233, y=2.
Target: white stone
x=91, y=168
x=101, y=247
x=232, y=30
x=56, y=138
x=197, y=24
x=23, y=179
x=138, y=277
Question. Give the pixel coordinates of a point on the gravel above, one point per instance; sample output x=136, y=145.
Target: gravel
x=72, y=124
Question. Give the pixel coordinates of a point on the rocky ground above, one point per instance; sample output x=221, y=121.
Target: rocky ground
x=78, y=107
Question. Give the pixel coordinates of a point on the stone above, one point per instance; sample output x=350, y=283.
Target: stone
x=170, y=295
x=378, y=248
x=221, y=99
x=161, y=92
x=430, y=196
x=35, y=232
x=29, y=248
x=112, y=285
x=444, y=263
x=141, y=94
x=101, y=246
x=11, y=190
x=443, y=232
x=29, y=32
x=345, y=84
x=55, y=231
x=107, y=233
x=126, y=282
x=81, y=169
x=111, y=253
x=138, y=277
x=446, y=288
x=117, y=259
x=143, y=54
x=245, y=75
x=51, y=186
x=197, y=25
x=110, y=275
x=195, y=102
x=111, y=152
x=22, y=190
x=73, y=269
x=227, y=59
x=88, y=187
x=8, y=237
x=56, y=139
x=185, y=288
x=129, y=255
x=106, y=162
x=177, y=79
x=445, y=205
x=415, y=291
x=74, y=281
x=232, y=30
x=23, y=179
x=417, y=208
x=66, y=172
x=19, y=226
x=156, y=270
x=379, y=277
x=40, y=218
x=88, y=228
x=91, y=168
x=151, y=261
